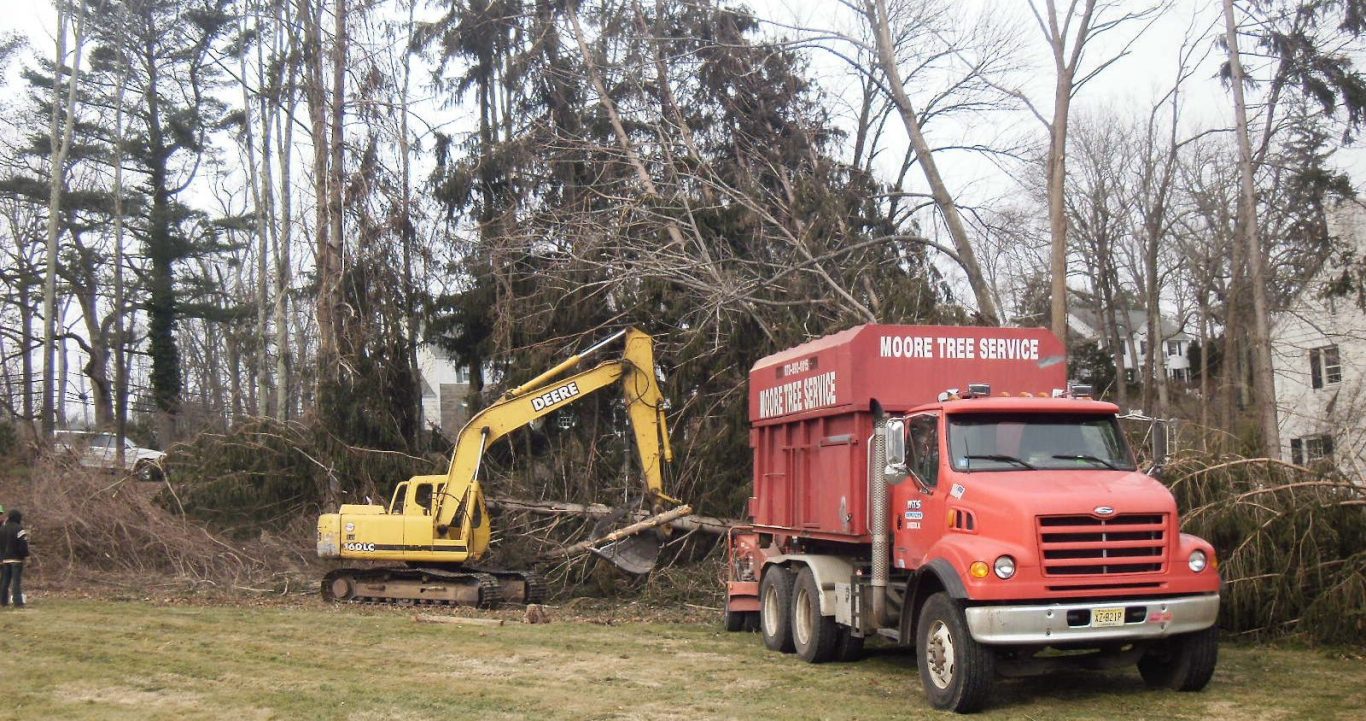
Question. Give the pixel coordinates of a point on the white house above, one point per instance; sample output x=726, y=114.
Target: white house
x=445, y=389
x=1133, y=327
x=1319, y=354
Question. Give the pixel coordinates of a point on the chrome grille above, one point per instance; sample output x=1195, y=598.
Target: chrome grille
x=1088, y=546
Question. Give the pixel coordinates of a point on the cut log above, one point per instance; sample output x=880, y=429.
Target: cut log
x=705, y=524
x=457, y=620
x=652, y=522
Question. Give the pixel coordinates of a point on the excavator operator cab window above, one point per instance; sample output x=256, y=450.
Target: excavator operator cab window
x=400, y=494
x=422, y=497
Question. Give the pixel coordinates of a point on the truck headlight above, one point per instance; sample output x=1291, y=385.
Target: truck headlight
x=1198, y=561
x=1005, y=567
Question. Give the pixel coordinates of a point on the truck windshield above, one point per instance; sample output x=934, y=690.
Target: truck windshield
x=1036, y=441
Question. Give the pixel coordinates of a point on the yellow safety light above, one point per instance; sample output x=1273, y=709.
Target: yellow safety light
x=979, y=569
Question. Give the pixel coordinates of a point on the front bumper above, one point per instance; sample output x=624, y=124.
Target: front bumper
x=1071, y=622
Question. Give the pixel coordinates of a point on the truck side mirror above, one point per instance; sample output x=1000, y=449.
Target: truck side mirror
x=894, y=445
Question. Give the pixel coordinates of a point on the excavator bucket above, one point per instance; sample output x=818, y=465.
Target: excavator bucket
x=634, y=554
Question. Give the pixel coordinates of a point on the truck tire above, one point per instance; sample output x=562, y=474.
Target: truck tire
x=848, y=647
x=1182, y=663
x=775, y=609
x=734, y=620
x=813, y=635
x=956, y=671
x=147, y=472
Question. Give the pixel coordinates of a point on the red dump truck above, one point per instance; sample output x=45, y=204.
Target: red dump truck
x=946, y=488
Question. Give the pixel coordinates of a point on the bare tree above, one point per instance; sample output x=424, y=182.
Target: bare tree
x=1068, y=34
x=1263, y=382
x=879, y=20
x=1098, y=209
x=62, y=123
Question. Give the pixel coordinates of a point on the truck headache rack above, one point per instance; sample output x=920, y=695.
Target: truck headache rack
x=1086, y=545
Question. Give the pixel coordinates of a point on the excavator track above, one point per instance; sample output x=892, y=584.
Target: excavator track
x=420, y=586
x=518, y=587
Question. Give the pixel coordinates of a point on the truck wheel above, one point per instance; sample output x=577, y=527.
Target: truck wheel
x=734, y=620
x=848, y=647
x=775, y=609
x=1182, y=663
x=813, y=635
x=956, y=671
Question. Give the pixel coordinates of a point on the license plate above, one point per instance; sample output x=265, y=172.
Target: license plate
x=1102, y=617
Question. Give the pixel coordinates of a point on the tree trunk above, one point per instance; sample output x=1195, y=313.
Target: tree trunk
x=876, y=11
x=704, y=524
x=258, y=178
x=120, y=335
x=1057, y=219
x=284, y=237
x=315, y=92
x=583, y=547
x=408, y=237
x=63, y=125
x=97, y=361
x=337, y=250
x=26, y=358
x=1204, y=365
x=1263, y=381
x=162, y=254
x=60, y=389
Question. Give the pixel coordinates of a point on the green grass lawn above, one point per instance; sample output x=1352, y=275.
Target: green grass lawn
x=87, y=659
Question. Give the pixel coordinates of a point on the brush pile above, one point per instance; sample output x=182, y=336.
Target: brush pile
x=267, y=474
x=1291, y=543
x=84, y=521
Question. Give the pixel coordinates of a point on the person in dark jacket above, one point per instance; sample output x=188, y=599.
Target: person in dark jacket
x=13, y=552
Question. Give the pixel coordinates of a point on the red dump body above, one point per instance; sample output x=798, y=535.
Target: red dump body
x=810, y=419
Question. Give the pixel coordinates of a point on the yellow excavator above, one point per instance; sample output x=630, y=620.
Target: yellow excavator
x=437, y=527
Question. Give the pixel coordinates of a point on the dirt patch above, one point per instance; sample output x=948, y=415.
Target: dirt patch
x=124, y=696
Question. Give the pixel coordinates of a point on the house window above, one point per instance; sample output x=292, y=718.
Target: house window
x=462, y=374
x=1311, y=449
x=1143, y=347
x=1325, y=366
x=1173, y=348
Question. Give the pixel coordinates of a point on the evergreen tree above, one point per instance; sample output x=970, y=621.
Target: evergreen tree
x=163, y=49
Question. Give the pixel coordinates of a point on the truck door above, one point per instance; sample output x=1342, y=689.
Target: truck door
x=919, y=503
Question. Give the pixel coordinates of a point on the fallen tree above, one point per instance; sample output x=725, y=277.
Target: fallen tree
x=654, y=521
x=687, y=522
x=1291, y=544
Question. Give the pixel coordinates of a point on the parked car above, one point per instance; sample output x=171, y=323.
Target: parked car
x=100, y=451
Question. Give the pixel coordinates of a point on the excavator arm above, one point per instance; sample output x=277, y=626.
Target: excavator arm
x=459, y=510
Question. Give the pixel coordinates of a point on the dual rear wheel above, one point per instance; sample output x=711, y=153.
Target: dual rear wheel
x=791, y=621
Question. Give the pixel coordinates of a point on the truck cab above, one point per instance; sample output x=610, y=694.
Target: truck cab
x=1044, y=491
x=984, y=527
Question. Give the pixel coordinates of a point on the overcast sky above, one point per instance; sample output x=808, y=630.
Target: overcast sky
x=1128, y=87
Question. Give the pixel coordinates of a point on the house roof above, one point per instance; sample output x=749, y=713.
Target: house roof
x=1132, y=323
